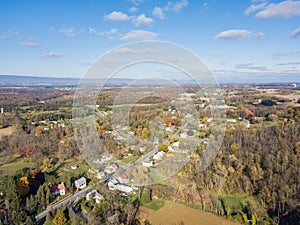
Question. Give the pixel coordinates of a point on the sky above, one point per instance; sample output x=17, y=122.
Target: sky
x=239, y=40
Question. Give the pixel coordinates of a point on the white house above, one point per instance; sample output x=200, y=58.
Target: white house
x=176, y=144
x=202, y=125
x=80, y=183
x=158, y=155
x=183, y=135
x=170, y=149
x=148, y=164
x=170, y=129
x=100, y=175
x=94, y=195
x=231, y=120
x=210, y=120
x=124, y=188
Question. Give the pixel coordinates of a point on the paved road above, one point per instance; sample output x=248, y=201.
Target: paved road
x=67, y=201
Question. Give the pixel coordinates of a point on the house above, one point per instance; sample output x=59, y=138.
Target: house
x=100, y=175
x=124, y=188
x=112, y=185
x=170, y=129
x=176, y=144
x=62, y=188
x=56, y=190
x=158, y=155
x=80, y=183
x=210, y=119
x=111, y=168
x=183, y=135
x=94, y=195
x=148, y=164
x=170, y=149
x=106, y=158
x=123, y=179
x=231, y=120
x=202, y=125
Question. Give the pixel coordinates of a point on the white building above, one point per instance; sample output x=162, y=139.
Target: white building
x=100, y=175
x=176, y=144
x=183, y=135
x=158, y=155
x=80, y=183
x=148, y=164
x=231, y=120
x=94, y=195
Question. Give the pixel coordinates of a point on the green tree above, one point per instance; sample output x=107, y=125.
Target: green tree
x=29, y=221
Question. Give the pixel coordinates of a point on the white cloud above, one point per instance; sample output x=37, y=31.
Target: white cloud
x=260, y=34
x=136, y=35
x=178, y=6
x=141, y=20
x=136, y=2
x=254, y=8
x=117, y=16
x=284, y=9
x=67, y=31
x=52, y=55
x=133, y=9
x=171, y=6
x=92, y=30
x=158, y=12
x=250, y=66
x=126, y=50
x=296, y=33
x=233, y=34
x=29, y=44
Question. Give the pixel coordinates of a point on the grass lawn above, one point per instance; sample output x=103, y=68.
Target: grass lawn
x=10, y=169
x=130, y=159
x=236, y=203
x=154, y=205
x=82, y=167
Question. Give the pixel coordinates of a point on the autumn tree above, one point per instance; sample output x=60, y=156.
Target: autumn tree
x=60, y=218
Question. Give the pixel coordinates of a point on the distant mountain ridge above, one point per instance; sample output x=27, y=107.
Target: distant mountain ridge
x=27, y=81
x=13, y=80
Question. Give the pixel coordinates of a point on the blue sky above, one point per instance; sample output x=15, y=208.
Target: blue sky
x=239, y=40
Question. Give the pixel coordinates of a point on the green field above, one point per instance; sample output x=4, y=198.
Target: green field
x=154, y=205
x=10, y=169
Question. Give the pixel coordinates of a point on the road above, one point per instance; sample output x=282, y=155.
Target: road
x=65, y=202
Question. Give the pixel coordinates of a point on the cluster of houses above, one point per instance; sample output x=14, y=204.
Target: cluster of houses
x=49, y=124
x=60, y=189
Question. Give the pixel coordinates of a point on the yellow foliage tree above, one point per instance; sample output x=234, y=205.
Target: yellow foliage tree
x=23, y=186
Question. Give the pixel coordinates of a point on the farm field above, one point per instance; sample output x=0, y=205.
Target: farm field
x=6, y=131
x=173, y=213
